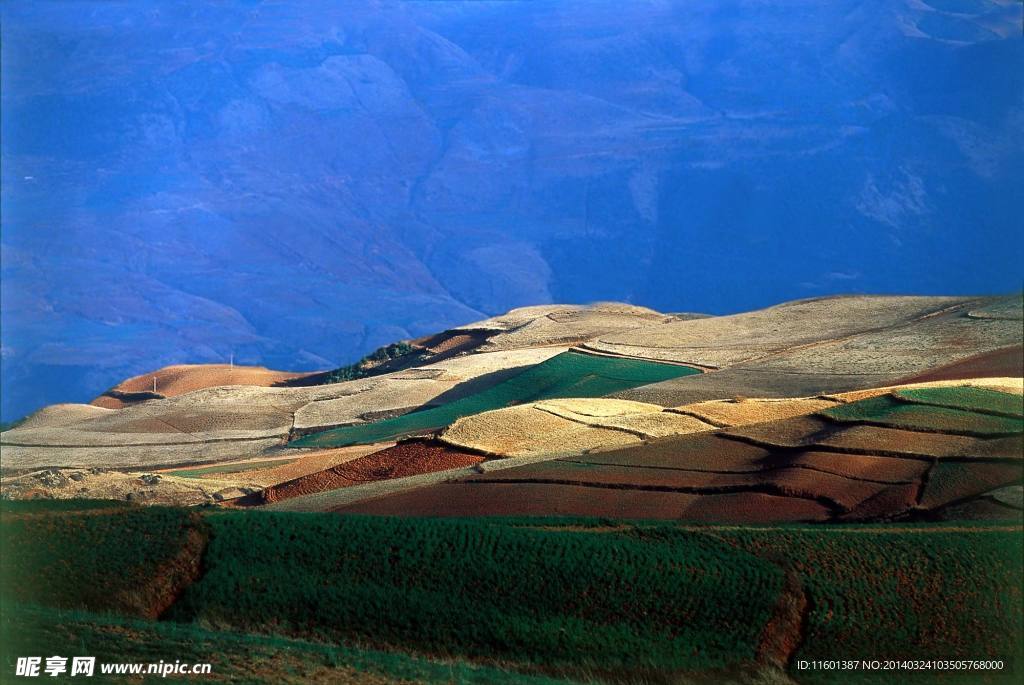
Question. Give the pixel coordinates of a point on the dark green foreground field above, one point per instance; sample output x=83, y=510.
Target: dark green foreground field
x=280, y=597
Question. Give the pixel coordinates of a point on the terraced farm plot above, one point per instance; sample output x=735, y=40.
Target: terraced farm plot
x=230, y=468
x=980, y=400
x=838, y=471
x=888, y=411
x=184, y=378
x=460, y=499
x=531, y=597
x=752, y=411
x=893, y=502
x=950, y=481
x=912, y=592
x=898, y=442
x=566, y=427
x=570, y=374
x=235, y=657
x=836, y=491
x=98, y=556
x=563, y=597
x=1003, y=362
x=406, y=459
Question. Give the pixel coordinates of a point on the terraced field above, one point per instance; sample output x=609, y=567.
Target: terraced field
x=184, y=378
x=570, y=374
x=824, y=346
x=908, y=453
x=546, y=598
x=221, y=424
x=491, y=400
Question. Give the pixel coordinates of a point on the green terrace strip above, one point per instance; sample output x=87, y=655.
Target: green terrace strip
x=570, y=374
x=481, y=591
x=886, y=410
x=288, y=597
x=230, y=468
x=894, y=591
x=98, y=555
x=234, y=657
x=980, y=400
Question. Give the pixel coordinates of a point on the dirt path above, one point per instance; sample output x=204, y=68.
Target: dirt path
x=784, y=632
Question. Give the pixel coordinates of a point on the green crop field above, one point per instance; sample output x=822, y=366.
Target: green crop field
x=886, y=410
x=486, y=591
x=285, y=596
x=570, y=374
x=99, y=556
x=916, y=592
x=234, y=657
x=972, y=399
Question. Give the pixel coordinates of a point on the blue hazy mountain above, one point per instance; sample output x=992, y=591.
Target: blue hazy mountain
x=298, y=183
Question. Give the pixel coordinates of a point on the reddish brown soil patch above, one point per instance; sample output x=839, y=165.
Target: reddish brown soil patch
x=981, y=509
x=1010, y=447
x=699, y=451
x=180, y=379
x=895, y=441
x=783, y=633
x=860, y=466
x=516, y=499
x=1007, y=362
x=839, y=492
x=311, y=462
x=796, y=432
x=891, y=501
x=406, y=459
x=950, y=481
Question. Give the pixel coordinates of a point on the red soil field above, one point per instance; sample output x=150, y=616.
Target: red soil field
x=501, y=499
x=405, y=459
x=981, y=509
x=1010, y=447
x=800, y=431
x=895, y=441
x=1007, y=362
x=804, y=483
x=869, y=467
x=699, y=451
x=180, y=379
x=891, y=501
x=952, y=481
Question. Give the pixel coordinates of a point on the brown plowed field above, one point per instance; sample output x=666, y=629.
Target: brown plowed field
x=891, y=501
x=259, y=473
x=879, y=440
x=501, y=499
x=699, y=452
x=1005, y=362
x=982, y=509
x=796, y=432
x=791, y=482
x=183, y=378
x=865, y=467
x=951, y=481
x=406, y=459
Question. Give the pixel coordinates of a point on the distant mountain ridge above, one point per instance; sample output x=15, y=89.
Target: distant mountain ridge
x=301, y=184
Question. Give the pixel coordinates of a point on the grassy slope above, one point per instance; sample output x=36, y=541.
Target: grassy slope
x=235, y=657
x=486, y=591
x=919, y=592
x=577, y=597
x=570, y=374
x=129, y=560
